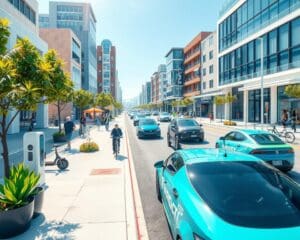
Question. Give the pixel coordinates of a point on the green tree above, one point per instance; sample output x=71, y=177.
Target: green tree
x=104, y=100
x=24, y=81
x=60, y=92
x=292, y=90
x=82, y=99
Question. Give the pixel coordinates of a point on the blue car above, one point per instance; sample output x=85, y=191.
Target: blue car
x=148, y=127
x=262, y=144
x=211, y=194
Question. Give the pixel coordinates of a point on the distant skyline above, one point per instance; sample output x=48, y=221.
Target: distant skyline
x=143, y=32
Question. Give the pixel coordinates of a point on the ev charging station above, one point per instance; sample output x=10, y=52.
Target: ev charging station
x=34, y=153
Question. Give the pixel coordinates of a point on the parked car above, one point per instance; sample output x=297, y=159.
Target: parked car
x=155, y=113
x=137, y=118
x=209, y=194
x=262, y=144
x=148, y=127
x=164, y=117
x=184, y=129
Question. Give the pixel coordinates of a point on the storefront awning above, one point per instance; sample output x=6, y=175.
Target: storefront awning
x=212, y=94
x=268, y=84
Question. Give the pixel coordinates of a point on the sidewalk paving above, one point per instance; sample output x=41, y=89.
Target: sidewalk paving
x=218, y=123
x=91, y=200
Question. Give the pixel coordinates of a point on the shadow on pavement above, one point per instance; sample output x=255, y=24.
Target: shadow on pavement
x=43, y=229
x=57, y=172
x=121, y=158
x=295, y=176
x=151, y=139
x=196, y=143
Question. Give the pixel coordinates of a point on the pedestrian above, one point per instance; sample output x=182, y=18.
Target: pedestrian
x=294, y=120
x=69, y=127
x=107, y=119
x=116, y=134
x=284, y=118
x=82, y=125
x=98, y=122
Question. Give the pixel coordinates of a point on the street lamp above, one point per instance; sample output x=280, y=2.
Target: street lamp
x=262, y=80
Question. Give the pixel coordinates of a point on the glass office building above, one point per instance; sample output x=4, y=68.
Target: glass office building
x=242, y=29
x=174, y=63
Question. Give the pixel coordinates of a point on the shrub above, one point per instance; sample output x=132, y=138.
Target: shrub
x=229, y=123
x=89, y=147
x=17, y=189
x=58, y=134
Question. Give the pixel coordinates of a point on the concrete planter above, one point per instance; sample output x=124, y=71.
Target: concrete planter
x=38, y=202
x=59, y=138
x=16, y=221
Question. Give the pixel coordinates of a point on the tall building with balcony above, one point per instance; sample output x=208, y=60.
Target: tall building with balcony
x=162, y=74
x=155, y=87
x=174, y=63
x=22, y=16
x=209, y=78
x=81, y=19
x=68, y=47
x=242, y=27
x=106, y=68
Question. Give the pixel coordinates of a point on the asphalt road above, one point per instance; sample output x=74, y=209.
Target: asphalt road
x=148, y=151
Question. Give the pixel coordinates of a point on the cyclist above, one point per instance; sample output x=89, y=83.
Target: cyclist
x=116, y=134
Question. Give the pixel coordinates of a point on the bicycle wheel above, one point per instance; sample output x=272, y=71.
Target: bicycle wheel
x=289, y=137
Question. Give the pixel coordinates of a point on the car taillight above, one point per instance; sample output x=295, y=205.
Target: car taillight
x=256, y=151
x=291, y=150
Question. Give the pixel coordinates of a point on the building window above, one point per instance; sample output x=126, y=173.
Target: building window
x=211, y=69
x=204, y=85
x=211, y=55
x=204, y=58
x=211, y=83
x=254, y=108
x=204, y=71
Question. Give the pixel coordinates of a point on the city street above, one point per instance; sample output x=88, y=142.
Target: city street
x=147, y=151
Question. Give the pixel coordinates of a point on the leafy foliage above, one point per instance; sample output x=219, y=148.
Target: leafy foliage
x=293, y=90
x=4, y=35
x=82, y=98
x=17, y=189
x=89, y=147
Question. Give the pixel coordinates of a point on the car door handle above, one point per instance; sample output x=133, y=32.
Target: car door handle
x=175, y=193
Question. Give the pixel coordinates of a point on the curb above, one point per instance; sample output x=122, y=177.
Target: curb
x=142, y=233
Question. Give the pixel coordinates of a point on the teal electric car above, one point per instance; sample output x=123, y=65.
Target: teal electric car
x=148, y=127
x=262, y=144
x=210, y=194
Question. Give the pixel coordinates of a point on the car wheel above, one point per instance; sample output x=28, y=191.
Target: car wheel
x=168, y=140
x=158, y=192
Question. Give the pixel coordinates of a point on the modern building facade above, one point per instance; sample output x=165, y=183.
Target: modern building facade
x=81, y=19
x=174, y=63
x=155, y=88
x=106, y=68
x=163, y=83
x=192, y=66
x=242, y=28
x=23, y=23
x=209, y=79
x=68, y=47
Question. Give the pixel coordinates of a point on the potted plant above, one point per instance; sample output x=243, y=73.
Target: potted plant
x=17, y=201
x=59, y=137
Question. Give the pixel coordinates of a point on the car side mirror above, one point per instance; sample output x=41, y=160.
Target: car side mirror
x=201, y=125
x=159, y=164
x=222, y=138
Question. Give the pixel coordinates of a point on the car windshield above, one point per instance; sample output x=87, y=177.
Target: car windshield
x=187, y=123
x=164, y=114
x=248, y=194
x=147, y=121
x=140, y=116
x=266, y=139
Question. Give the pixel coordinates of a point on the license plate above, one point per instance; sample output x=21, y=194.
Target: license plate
x=277, y=163
x=193, y=136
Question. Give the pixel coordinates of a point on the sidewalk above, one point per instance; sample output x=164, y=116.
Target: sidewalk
x=93, y=199
x=218, y=123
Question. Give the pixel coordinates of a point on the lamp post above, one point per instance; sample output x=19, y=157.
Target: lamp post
x=262, y=80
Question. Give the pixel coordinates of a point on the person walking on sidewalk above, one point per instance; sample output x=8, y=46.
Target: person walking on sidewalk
x=98, y=122
x=69, y=127
x=284, y=118
x=107, y=119
x=294, y=120
x=82, y=125
x=116, y=134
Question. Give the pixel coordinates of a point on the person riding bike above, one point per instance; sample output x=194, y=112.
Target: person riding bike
x=116, y=134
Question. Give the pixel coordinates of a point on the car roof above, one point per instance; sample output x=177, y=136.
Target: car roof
x=201, y=155
x=253, y=131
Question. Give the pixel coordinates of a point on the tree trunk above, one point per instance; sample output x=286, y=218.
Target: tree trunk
x=58, y=114
x=4, y=146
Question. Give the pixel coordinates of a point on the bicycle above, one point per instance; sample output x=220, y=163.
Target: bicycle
x=288, y=136
x=116, y=146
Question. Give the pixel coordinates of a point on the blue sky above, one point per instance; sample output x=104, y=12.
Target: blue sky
x=143, y=31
